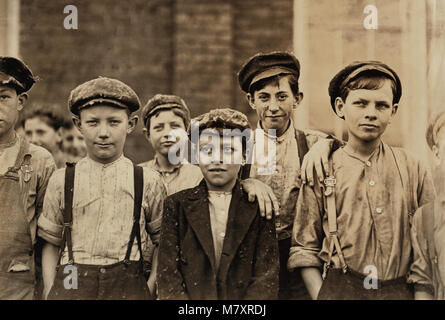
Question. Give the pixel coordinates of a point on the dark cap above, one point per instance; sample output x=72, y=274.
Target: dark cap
x=167, y=102
x=266, y=65
x=224, y=118
x=436, y=123
x=103, y=90
x=354, y=70
x=16, y=73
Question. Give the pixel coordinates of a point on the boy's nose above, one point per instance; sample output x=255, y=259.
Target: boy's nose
x=103, y=131
x=273, y=105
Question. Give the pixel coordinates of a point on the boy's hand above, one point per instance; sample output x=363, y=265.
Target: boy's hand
x=317, y=158
x=267, y=201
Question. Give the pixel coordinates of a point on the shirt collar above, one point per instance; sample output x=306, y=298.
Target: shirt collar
x=160, y=170
x=290, y=132
x=105, y=165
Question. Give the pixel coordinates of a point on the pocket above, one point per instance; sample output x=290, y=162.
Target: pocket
x=20, y=264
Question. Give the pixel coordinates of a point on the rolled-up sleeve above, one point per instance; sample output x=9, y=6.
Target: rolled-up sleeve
x=307, y=233
x=421, y=273
x=50, y=222
x=153, y=204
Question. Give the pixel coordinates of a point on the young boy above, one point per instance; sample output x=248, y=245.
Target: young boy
x=41, y=126
x=165, y=117
x=24, y=173
x=270, y=82
x=72, y=143
x=94, y=214
x=428, y=231
x=214, y=244
x=358, y=223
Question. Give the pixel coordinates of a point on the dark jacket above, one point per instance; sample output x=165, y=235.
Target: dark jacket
x=249, y=262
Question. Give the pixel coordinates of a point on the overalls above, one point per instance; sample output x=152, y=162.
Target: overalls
x=119, y=281
x=17, y=277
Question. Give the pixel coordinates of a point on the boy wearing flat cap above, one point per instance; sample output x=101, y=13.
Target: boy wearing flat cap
x=428, y=229
x=214, y=244
x=99, y=213
x=270, y=82
x=24, y=173
x=356, y=225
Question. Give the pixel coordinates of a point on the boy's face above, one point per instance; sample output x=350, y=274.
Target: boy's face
x=73, y=142
x=41, y=134
x=274, y=105
x=220, y=160
x=165, y=130
x=10, y=105
x=367, y=112
x=105, y=129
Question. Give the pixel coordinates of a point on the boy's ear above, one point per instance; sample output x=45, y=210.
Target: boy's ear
x=298, y=99
x=77, y=123
x=436, y=154
x=251, y=101
x=132, y=122
x=339, y=104
x=23, y=97
x=395, y=107
x=146, y=134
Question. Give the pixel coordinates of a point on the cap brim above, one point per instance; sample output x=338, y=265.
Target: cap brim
x=272, y=72
x=105, y=101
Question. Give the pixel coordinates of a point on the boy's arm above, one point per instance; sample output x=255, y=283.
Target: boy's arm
x=421, y=272
x=312, y=280
x=266, y=264
x=169, y=281
x=320, y=148
x=307, y=237
x=50, y=226
x=267, y=200
x=50, y=255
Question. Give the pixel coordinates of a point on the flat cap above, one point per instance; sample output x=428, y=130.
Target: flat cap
x=266, y=65
x=436, y=122
x=354, y=70
x=165, y=101
x=224, y=118
x=16, y=73
x=103, y=90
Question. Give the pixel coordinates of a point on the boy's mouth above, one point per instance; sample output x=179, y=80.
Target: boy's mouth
x=104, y=145
x=370, y=126
x=217, y=170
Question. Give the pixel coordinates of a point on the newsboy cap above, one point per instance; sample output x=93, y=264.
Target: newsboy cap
x=224, y=118
x=354, y=70
x=266, y=65
x=436, y=122
x=165, y=101
x=103, y=90
x=16, y=73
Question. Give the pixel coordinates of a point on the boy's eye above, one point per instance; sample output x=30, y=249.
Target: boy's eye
x=91, y=122
x=263, y=97
x=228, y=150
x=282, y=97
x=115, y=122
x=158, y=128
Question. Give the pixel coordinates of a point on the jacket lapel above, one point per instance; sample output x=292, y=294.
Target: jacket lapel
x=241, y=215
x=198, y=216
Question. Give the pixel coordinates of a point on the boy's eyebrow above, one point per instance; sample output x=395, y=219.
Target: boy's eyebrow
x=382, y=102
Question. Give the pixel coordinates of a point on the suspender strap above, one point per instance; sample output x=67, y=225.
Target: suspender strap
x=428, y=225
x=136, y=230
x=68, y=213
x=301, y=144
x=334, y=242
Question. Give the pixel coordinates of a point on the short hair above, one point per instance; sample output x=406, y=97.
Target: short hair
x=176, y=111
x=371, y=80
x=50, y=114
x=293, y=83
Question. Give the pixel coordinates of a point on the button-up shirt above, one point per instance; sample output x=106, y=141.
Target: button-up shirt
x=180, y=177
x=219, y=204
x=103, y=202
x=375, y=200
x=285, y=180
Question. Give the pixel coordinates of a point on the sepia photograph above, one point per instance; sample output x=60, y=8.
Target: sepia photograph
x=263, y=150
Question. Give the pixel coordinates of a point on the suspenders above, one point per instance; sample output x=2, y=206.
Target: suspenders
x=68, y=214
x=331, y=210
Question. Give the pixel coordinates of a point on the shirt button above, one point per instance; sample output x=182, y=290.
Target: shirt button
x=368, y=163
x=371, y=183
x=379, y=210
x=222, y=234
x=103, y=270
x=167, y=174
